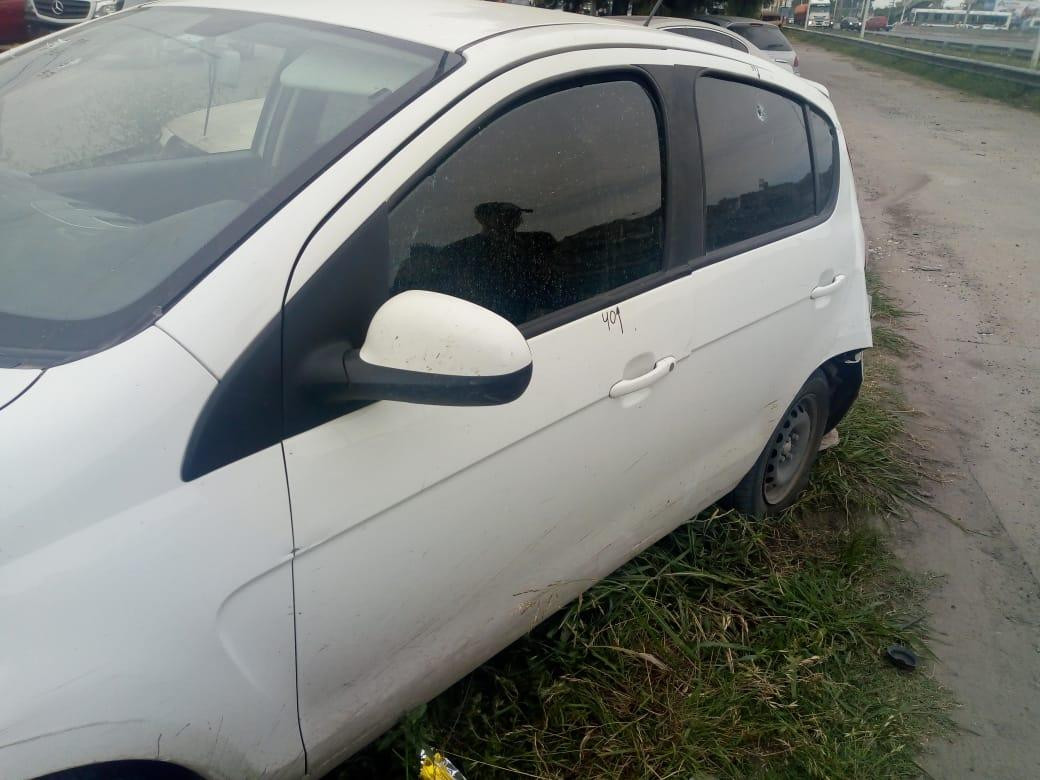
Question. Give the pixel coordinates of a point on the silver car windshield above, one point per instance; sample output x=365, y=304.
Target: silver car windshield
x=136, y=151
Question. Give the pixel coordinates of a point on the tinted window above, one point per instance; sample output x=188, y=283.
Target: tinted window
x=758, y=175
x=552, y=203
x=764, y=36
x=825, y=144
x=706, y=35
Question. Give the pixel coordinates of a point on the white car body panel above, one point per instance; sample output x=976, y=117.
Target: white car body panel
x=99, y=534
x=412, y=528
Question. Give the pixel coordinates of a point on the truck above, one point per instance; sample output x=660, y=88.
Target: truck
x=819, y=13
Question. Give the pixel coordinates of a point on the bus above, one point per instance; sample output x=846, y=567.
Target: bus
x=948, y=17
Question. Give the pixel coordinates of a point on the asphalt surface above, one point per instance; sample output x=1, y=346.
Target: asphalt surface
x=949, y=187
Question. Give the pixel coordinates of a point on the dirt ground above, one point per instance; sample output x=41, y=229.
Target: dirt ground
x=949, y=186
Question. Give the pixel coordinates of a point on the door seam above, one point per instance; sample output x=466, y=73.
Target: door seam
x=292, y=582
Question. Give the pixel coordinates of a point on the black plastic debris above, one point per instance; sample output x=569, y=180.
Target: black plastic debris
x=902, y=657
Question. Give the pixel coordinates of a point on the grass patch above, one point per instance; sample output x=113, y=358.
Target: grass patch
x=1018, y=95
x=732, y=648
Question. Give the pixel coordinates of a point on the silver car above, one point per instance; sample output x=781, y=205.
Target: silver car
x=765, y=35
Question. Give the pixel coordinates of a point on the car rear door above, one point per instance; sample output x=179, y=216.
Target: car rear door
x=429, y=537
x=778, y=286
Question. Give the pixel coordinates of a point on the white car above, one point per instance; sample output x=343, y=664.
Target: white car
x=765, y=35
x=703, y=31
x=301, y=421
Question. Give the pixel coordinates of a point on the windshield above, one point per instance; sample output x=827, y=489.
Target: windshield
x=764, y=36
x=135, y=152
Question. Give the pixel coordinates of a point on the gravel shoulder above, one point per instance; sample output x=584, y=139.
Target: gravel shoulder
x=949, y=186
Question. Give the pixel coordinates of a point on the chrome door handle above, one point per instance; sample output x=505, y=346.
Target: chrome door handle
x=828, y=289
x=661, y=369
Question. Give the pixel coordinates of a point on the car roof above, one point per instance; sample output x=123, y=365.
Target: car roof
x=721, y=20
x=444, y=24
x=457, y=25
x=659, y=22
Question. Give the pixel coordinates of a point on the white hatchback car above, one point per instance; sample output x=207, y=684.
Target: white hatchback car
x=703, y=31
x=339, y=343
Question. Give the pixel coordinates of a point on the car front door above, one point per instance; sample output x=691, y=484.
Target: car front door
x=429, y=537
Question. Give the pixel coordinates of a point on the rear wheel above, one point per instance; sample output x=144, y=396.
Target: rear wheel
x=782, y=470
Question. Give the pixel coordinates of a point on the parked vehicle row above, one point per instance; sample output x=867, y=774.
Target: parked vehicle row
x=342, y=343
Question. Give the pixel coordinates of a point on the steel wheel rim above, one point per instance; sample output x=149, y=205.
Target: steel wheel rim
x=789, y=450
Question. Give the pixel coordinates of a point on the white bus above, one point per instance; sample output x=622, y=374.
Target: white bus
x=948, y=17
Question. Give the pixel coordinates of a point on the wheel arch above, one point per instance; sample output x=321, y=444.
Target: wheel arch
x=844, y=374
x=126, y=770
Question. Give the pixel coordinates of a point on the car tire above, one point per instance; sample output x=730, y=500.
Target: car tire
x=782, y=470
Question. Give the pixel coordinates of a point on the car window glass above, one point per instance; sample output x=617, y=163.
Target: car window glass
x=554, y=202
x=704, y=35
x=758, y=174
x=764, y=36
x=825, y=142
x=130, y=160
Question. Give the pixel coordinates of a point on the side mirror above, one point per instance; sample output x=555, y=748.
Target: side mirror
x=427, y=348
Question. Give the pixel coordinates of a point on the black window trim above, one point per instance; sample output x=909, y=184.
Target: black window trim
x=764, y=239
x=832, y=199
x=643, y=76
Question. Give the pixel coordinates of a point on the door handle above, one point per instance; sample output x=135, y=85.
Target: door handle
x=661, y=369
x=828, y=289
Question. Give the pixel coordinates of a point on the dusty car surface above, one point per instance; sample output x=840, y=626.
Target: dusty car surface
x=340, y=343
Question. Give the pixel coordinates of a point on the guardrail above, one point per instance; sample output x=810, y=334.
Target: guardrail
x=1011, y=48
x=1024, y=76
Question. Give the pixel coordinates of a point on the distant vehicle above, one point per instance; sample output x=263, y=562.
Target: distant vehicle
x=704, y=32
x=764, y=35
x=876, y=23
x=948, y=17
x=46, y=16
x=850, y=23
x=819, y=13
x=12, y=21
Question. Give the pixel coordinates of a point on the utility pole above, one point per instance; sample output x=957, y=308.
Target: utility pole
x=863, y=21
x=1036, y=50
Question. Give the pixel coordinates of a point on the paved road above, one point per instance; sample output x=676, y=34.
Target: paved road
x=950, y=190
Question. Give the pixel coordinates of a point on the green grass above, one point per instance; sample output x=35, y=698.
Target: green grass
x=732, y=648
x=1018, y=95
